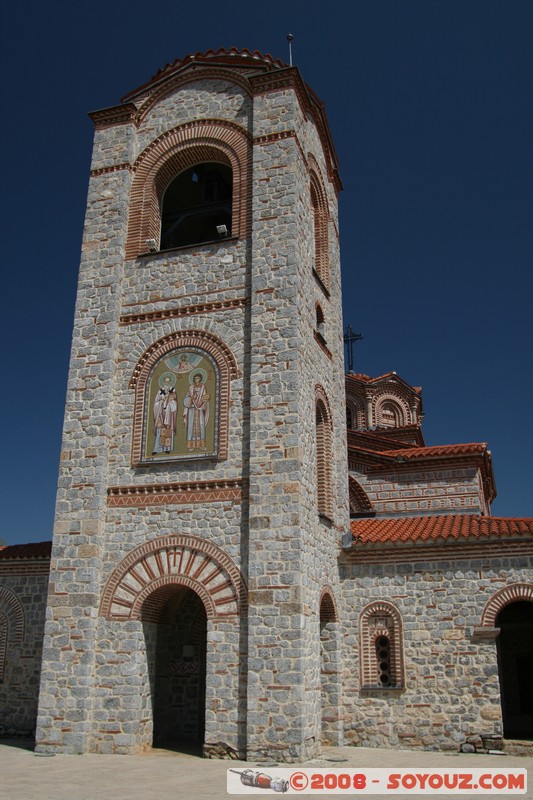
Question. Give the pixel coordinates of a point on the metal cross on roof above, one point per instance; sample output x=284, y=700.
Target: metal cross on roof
x=349, y=338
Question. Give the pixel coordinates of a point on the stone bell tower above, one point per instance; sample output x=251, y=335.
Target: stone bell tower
x=203, y=491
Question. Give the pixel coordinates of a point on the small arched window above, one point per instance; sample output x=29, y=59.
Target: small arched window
x=324, y=454
x=320, y=231
x=390, y=415
x=197, y=206
x=381, y=647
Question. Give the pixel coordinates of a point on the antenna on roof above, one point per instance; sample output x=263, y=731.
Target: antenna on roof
x=349, y=338
x=290, y=37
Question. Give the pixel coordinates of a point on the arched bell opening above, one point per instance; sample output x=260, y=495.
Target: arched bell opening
x=175, y=626
x=197, y=206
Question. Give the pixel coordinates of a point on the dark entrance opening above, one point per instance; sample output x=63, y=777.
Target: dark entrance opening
x=178, y=664
x=515, y=662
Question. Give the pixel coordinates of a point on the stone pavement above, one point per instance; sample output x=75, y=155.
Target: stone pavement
x=160, y=774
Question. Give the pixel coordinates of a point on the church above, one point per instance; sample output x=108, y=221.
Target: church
x=252, y=551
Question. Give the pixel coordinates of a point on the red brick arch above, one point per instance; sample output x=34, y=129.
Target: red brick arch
x=156, y=568
x=14, y=614
x=384, y=397
x=171, y=153
x=513, y=593
x=12, y=624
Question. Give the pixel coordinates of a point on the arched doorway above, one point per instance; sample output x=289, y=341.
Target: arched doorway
x=185, y=591
x=175, y=626
x=515, y=657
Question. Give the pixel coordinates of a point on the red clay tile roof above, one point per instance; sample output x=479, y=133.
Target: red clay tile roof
x=380, y=451
x=383, y=439
x=234, y=56
x=437, y=451
x=34, y=550
x=439, y=527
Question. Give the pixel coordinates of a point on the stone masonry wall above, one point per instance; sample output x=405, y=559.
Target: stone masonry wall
x=451, y=689
x=24, y=585
x=257, y=292
x=321, y=364
x=291, y=550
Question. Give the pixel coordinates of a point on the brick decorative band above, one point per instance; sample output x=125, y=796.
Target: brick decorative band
x=183, y=311
x=114, y=168
x=275, y=137
x=116, y=115
x=176, y=493
x=25, y=567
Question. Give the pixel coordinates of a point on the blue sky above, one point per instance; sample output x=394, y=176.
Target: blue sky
x=429, y=103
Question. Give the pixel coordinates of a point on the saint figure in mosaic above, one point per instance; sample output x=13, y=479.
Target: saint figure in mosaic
x=196, y=411
x=165, y=412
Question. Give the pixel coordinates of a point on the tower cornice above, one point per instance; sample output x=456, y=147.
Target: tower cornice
x=254, y=73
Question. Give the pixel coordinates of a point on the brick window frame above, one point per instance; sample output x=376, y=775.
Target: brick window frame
x=171, y=153
x=355, y=420
x=380, y=619
x=140, y=380
x=12, y=625
x=395, y=406
x=324, y=453
x=513, y=593
x=320, y=214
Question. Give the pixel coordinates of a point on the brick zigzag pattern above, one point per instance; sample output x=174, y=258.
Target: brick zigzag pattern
x=175, y=493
